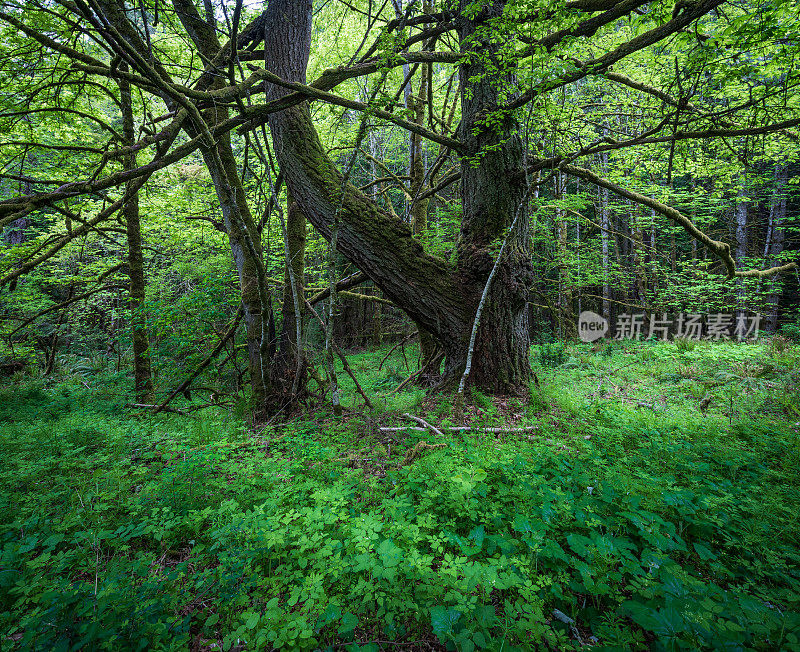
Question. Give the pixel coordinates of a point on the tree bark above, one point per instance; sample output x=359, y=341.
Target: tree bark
x=492, y=190
x=775, y=241
x=290, y=346
x=143, y=381
x=740, y=214
x=440, y=299
x=604, y=227
x=243, y=235
x=566, y=321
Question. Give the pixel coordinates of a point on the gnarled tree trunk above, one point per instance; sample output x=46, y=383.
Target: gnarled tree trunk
x=438, y=298
x=492, y=191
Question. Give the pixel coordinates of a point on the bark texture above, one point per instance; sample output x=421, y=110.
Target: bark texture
x=290, y=346
x=243, y=235
x=143, y=381
x=440, y=299
x=492, y=190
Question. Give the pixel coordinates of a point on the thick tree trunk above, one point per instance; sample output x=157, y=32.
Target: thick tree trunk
x=377, y=243
x=143, y=381
x=492, y=192
x=438, y=298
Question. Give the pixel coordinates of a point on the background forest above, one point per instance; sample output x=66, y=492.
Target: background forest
x=289, y=330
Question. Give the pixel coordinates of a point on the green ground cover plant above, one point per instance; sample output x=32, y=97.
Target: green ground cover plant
x=652, y=503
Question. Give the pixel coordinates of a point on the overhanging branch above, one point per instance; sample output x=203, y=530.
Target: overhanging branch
x=720, y=249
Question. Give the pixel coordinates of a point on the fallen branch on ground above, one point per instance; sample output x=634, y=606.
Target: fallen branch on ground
x=424, y=423
x=462, y=429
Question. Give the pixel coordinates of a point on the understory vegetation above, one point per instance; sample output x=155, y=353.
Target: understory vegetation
x=647, y=497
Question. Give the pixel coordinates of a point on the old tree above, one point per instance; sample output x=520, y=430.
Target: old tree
x=544, y=91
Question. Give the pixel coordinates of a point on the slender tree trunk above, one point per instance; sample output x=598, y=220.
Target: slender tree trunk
x=566, y=323
x=775, y=240
x=244, y=239
x=143, y=381
x=740, y=214
x=419, y=208
x=243, y=236
x=290, y=345
x=639, y=267
x=604, y=226
x=578, y=250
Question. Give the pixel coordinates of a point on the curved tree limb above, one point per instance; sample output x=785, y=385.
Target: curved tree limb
x=720, y=249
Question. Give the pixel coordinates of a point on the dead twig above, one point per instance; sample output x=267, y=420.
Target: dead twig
x=343, y=358
x=185, y=384
x=463, y=429
x=401, y=342
x=424, y=423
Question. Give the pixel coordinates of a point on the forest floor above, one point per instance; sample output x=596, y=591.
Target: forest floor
x=649, y=498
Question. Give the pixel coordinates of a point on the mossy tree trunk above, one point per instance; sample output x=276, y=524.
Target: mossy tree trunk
x=142, y=376
x=492, y=191
x=439, y=298
x=243, y=236
x=291, y=338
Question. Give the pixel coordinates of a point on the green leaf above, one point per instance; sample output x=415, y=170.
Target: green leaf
x=443, y=620
x=389, y=553
x=349, y=622
x=704, y=553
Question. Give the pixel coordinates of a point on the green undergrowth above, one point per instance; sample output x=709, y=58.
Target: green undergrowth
x=646, y=520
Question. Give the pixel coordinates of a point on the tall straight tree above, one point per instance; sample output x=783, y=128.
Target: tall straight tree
x=143, y=381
